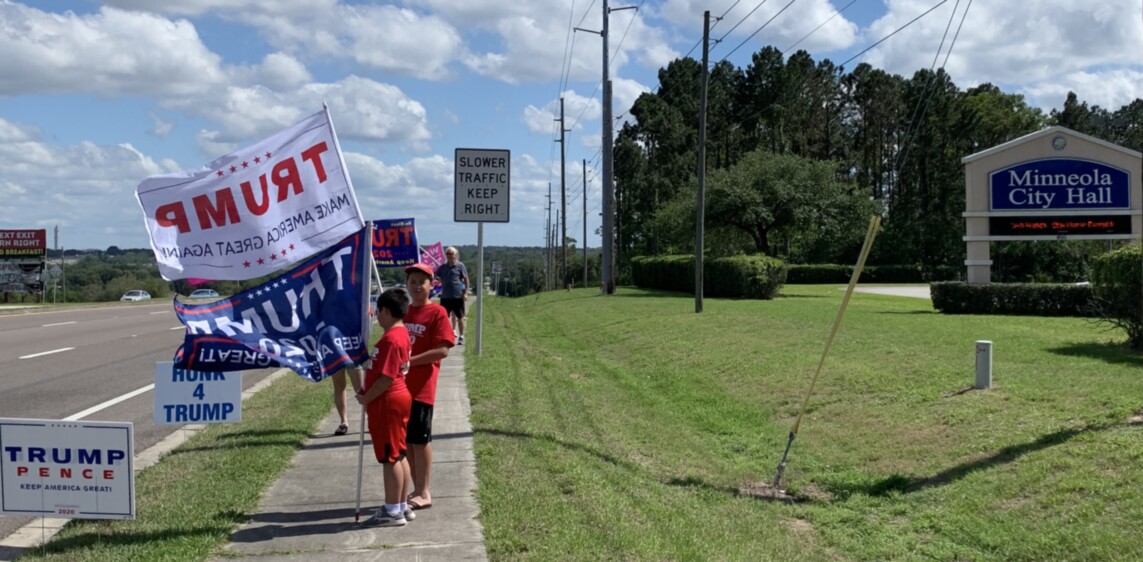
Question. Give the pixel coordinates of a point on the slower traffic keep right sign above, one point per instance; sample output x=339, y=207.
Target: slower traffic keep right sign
x=482, y=180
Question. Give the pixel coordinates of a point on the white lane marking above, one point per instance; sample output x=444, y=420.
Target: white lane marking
x=109, y=403
x=47, y=352
x=159, y=312
x=58, y=324
x=179, y=328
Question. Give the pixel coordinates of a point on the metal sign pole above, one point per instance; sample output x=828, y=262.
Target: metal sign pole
x=479, y=284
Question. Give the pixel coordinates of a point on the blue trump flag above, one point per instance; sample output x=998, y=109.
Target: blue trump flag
x=310, y=319
x=395, y=242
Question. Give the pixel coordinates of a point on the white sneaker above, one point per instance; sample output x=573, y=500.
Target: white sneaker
x=460, y=340
x=382, y=518
x=409, y=515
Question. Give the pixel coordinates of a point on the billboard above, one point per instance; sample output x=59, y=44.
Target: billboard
x=23, y=244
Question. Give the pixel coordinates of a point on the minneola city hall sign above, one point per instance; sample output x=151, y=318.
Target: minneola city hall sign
x=1055, y=184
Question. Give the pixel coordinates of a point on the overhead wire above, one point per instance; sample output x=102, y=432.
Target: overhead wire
x=758, y=30
x=820, y=25
x=909, y=139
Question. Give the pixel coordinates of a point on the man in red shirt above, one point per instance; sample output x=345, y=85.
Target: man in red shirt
x=431, y=334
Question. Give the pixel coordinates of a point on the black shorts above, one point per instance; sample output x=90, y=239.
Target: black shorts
x=420, y=424
x=454, y=306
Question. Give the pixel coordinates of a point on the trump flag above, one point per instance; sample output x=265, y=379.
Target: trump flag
x=394, y=242
x=309, y=319
x=254, y=211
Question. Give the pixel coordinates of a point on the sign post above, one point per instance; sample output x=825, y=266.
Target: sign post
x=482, y=180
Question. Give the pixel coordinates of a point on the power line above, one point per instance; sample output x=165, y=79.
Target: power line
x=867, y=49
x=908, y=142
x=806, y=36
x=758, y=30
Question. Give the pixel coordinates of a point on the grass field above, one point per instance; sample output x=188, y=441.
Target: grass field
x=188, y=504
x=629, y=427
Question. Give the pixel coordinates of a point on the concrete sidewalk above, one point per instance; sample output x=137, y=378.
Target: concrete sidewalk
x=308, y=513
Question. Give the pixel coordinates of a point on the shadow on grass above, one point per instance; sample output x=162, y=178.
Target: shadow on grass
x=259, y=433
x=755, y=491
x=568, y=445
x=240, y=444
x=106, y=533
x=1114, y=353
x=899, y=483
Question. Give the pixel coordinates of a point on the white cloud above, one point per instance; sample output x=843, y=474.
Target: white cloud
x=282, y=71
x=200, y=7
x=1036, y=43
x=361, y=109
x=744, y=19
x=161, y=128
x=1109, y=89
x=578, y=111
x=71, y=185
x=110, y=52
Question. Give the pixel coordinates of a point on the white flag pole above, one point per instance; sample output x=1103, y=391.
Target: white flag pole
x=360, y=464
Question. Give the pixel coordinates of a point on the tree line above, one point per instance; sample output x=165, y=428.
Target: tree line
x=799, y=154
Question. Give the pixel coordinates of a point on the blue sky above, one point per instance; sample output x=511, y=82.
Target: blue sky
x=95, y=96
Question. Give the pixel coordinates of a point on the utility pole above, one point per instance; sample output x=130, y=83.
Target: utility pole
x=563, y=202
x=607, y=268
x=585, y=222
x=699, y=214
x=548, y=243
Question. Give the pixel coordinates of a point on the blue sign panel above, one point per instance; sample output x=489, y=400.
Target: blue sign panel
x=1058, y=184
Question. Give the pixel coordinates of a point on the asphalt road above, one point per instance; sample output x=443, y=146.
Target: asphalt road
x=113, y=350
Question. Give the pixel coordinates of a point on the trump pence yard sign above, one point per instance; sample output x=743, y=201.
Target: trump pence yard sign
x=482, y=178
x=71, y=469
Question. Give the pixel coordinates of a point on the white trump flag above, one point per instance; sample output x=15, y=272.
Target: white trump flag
x=253, y=211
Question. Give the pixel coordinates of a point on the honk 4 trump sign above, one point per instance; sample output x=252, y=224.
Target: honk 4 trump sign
x=72, y=469
x=253, y=211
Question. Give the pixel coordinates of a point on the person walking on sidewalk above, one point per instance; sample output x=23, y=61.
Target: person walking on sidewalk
x=432, y=337
x=454, y=287
x=388, y=402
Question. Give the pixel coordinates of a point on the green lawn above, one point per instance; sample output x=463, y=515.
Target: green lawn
x=629, y=427
x=188, y=504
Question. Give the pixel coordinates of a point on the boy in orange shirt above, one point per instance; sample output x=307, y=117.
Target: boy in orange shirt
x=387, y=401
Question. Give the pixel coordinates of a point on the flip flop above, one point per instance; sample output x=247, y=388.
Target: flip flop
x=415, y=505
x=341, y=430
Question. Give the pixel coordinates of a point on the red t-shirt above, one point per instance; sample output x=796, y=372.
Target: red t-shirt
x=428, y=327
x=390, y=359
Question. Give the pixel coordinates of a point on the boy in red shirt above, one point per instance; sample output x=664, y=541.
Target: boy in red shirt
x=431, y=334
x=387, y=401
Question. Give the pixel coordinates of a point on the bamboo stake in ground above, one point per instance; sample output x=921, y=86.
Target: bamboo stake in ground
x=874, y=223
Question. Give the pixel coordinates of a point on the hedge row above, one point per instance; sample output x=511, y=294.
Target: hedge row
x=832, y=273
x=1030, y=299
x=748, y=277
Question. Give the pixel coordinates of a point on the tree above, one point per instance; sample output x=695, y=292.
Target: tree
x=769, y=194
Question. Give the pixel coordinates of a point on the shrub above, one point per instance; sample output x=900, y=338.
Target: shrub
x=751, y=277
x=1117, y=284
x=1031, y=299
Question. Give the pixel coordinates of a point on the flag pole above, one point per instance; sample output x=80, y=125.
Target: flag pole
x=367, y=288
x=360, y=464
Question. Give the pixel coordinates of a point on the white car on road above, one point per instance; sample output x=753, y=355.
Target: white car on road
x=136, y=295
